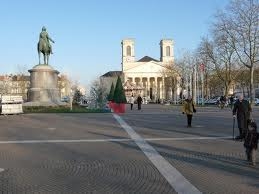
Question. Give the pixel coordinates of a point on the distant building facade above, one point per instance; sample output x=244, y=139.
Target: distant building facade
x=64, y=85
x=146, y=73
x=144, y=76
x=19, y=85
x=15, y=85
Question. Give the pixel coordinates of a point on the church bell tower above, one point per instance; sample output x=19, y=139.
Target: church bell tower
x=167, y=51
x=128, y=51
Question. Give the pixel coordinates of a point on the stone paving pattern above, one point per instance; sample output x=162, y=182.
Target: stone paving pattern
x=211, y=165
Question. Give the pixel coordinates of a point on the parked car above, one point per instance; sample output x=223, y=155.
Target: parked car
x=212, y=101
x=65, y=99
x=166, y=102
x=83, y=102
x=248, y=99
x=256, y=101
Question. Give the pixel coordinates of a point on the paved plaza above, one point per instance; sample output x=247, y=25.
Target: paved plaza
x=146, y=151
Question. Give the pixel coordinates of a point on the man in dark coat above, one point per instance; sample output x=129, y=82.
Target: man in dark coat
x=139, y=101
x=242, y=109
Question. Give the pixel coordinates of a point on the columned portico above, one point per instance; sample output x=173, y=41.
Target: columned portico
x=148, y=86
x=163, y=88
x=153, y=87
x=146, y=74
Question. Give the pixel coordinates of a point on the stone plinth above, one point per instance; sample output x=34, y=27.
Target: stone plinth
x=44, y=86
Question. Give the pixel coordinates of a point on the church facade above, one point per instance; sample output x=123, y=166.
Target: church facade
x=145, y=76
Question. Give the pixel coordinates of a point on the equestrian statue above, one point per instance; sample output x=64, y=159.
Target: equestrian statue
x=44, y=45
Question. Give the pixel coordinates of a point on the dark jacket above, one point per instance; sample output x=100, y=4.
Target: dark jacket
x=251, y=139
x=242, y=109
x=139, y=100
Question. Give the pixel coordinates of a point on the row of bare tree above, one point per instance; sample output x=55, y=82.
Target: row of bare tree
x=230, y=52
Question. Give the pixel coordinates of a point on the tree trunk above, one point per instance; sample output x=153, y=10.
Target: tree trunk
x=252, y=93
x=226, y=89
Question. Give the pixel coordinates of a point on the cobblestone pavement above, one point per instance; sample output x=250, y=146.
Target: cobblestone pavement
x=212, y=165
x=92, y=153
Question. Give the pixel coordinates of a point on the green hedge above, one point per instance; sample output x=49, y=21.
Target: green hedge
x=61, y=109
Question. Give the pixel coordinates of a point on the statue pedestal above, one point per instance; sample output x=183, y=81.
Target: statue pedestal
x=44, y=89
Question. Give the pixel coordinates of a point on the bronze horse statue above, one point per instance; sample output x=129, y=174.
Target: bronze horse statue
x=44, y=46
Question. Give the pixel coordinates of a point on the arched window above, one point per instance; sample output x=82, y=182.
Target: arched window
x=128, y=51
x=168, y=51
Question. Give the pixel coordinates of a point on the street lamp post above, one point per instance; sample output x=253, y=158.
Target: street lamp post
x=71, y=100
x=202, y=68
x=195, y=84
x=202, y=89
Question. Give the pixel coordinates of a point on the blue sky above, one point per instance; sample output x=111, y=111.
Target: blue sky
x=88, y=33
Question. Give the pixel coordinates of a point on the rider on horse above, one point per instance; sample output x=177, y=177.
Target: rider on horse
x=45, y=37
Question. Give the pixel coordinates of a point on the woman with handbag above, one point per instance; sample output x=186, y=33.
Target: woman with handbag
x=188, y=109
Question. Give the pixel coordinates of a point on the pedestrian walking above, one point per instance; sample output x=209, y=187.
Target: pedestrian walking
x=241, y=110
x=222, y=102
x=139, y=101
x=131, y=101
x=251, y=143
x=188, y=109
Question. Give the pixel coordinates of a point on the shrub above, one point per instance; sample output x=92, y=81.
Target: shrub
x=119, y=93
x=111, y=94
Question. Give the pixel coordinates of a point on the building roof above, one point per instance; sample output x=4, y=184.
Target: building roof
x=147, y=59
x=112, y=74
x=21, y=78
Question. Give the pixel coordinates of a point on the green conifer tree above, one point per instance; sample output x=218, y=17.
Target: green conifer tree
x=110, y=96
x=77, y=96
x=119, y=94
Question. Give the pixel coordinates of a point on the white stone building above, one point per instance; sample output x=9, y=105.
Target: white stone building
x=18, y=85
x=146, y=73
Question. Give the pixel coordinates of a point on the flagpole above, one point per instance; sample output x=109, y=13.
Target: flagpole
x=202, y=66
x=202, y=88
x=195, y=84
